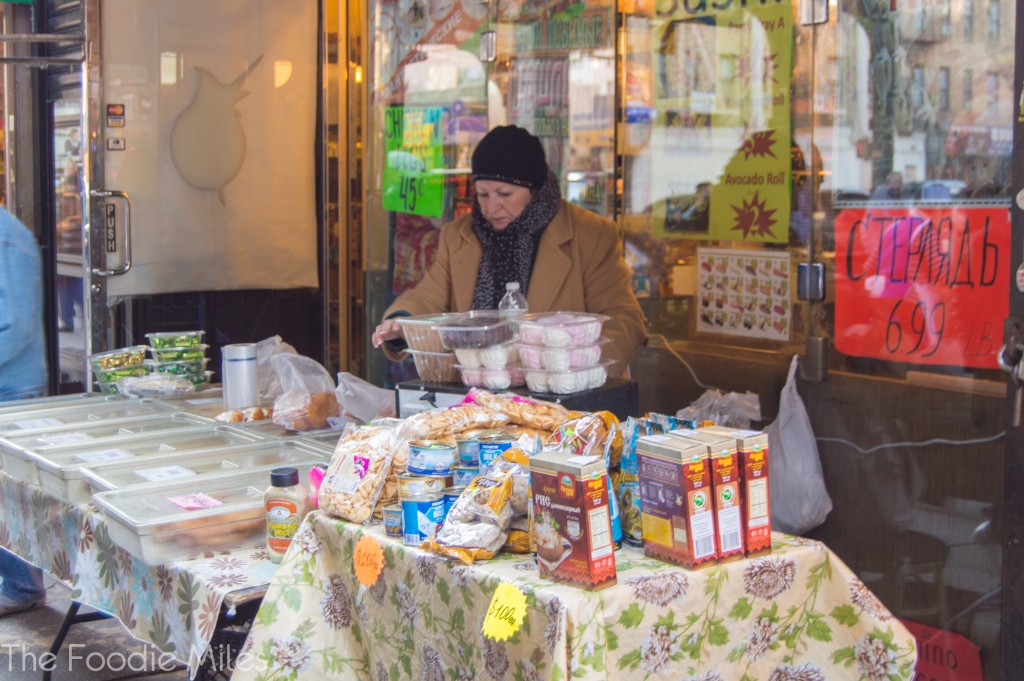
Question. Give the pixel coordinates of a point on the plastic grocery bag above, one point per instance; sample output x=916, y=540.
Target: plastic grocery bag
x=363, y=401
x=799, y=500
x=268, y=383
x=308, y=401
x=735, y=410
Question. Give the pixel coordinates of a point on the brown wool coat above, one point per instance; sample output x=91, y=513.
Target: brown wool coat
x=579, y=268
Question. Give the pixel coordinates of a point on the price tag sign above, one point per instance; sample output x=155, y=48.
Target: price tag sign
x=922, y=285
x=413, y=181
x=368, y=559
x=505, y=614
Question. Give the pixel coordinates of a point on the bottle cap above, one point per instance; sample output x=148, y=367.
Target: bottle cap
x=512, y=286
x=284, y=477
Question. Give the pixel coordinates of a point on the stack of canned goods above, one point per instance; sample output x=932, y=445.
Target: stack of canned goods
x=437, y=473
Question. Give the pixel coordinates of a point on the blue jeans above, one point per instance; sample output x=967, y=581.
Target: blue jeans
x=22, y=582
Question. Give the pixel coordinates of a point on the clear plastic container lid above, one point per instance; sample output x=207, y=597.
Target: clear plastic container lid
x=121, y=357
x=168, y=468
x=566, y=382
x=163, y=508
x=84, y=433
x=86, y=411
x=492, y=379
x=560, y=359
x=420, y=334
x=492, y=357
x=477, y=329
x=435, y=366
x=175, y=339
x=180, y=353
x=561, y=329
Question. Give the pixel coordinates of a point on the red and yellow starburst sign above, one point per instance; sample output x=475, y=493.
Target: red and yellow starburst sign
x=720, y=147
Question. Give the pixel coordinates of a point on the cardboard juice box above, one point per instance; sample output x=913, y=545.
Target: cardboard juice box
x=752, y=446
x=572, y=519
x=727, y=486
x=675, y=493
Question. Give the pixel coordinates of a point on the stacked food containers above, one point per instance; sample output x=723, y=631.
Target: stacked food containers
x=180, y=353
x=434, y=361
x=561, y=352
x=120, y=363
x=484, y=344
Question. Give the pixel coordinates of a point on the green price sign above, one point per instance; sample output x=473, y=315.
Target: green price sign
x=413, y=181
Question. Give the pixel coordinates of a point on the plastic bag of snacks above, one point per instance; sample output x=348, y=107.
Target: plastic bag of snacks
x=357, y=473
x=308, y=401
x=522, y=410
x=431, y=425
x=477, y=525
x=595, y=434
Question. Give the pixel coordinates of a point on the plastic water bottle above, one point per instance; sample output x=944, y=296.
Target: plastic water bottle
x=513, y=303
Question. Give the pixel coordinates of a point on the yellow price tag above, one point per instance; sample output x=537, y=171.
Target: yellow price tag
x=368, y=558
x=506, y=612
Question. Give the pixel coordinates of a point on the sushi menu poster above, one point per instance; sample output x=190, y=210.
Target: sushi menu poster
x=743, y=293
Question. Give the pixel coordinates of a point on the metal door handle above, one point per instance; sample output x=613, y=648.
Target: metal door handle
x=110, y=235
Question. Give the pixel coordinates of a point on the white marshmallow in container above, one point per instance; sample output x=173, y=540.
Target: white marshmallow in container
x=561, y=329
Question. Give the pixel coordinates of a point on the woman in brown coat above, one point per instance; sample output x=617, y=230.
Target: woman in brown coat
x=563, y=256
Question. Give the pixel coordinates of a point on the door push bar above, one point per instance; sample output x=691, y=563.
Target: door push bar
x=110, y=231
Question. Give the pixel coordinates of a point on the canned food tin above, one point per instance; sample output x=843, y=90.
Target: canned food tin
x=468, y=445
x=493, y=446
x=451, y=495
x=421, y=517
x=463, y=475
x=410, y=485
x=393, y=520
x=430, y=457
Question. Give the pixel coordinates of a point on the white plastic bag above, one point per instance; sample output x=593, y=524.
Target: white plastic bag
x=308, y=401
x=268, y=383
x=735, y=410
x=363, y=401
x=799, y=500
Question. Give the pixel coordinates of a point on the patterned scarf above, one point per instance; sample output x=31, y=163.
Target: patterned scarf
x=509, y=254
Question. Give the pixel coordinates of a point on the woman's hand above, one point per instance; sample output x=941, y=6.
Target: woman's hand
x=389, y=329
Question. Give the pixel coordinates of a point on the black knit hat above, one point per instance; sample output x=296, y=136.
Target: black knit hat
x=510, y=154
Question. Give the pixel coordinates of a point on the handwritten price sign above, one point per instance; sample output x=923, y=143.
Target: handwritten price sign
x=505, y=614
x=368, y=559
x=413, y=138
x=922, y=285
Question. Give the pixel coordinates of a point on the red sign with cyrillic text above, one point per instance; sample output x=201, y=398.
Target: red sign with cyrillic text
x=922, y=285
x=943, y=655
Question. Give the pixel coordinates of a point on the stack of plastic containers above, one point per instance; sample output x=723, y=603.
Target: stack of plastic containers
x=114, y=364
x=561, y=351
x=434, y=362
x=484, y=344
x=180, y=353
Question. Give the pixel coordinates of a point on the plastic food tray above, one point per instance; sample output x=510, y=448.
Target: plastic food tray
x=435, y=366
x=115, y=359
x=185, y=367
x=493, y=357
x=179, y=354
x=51, y=402
x=492, y=379
x=477, y=329
x=175, y=339
x=561, y=329
x=60, y=468
x=566, y=382
x=144, y=521
x=560, y=359
x=83, y=411
x=196, y=465
x=420, y=332
x=16, y=447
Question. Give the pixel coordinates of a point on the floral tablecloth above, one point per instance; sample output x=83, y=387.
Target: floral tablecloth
x=798, y=614
x=174, y=607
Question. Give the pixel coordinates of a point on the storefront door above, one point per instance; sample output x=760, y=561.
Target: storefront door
x=186, y=191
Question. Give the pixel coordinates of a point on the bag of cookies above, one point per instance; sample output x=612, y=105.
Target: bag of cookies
x=358, y=471
x=521, y=410
x=442, y=423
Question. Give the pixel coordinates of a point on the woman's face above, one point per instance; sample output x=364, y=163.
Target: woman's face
x=501, y=202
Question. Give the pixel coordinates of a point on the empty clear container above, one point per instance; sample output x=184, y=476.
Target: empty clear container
x=477, y=329
x=420, y=332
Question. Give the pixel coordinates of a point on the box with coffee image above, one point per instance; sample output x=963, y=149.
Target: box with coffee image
x=572, y=519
